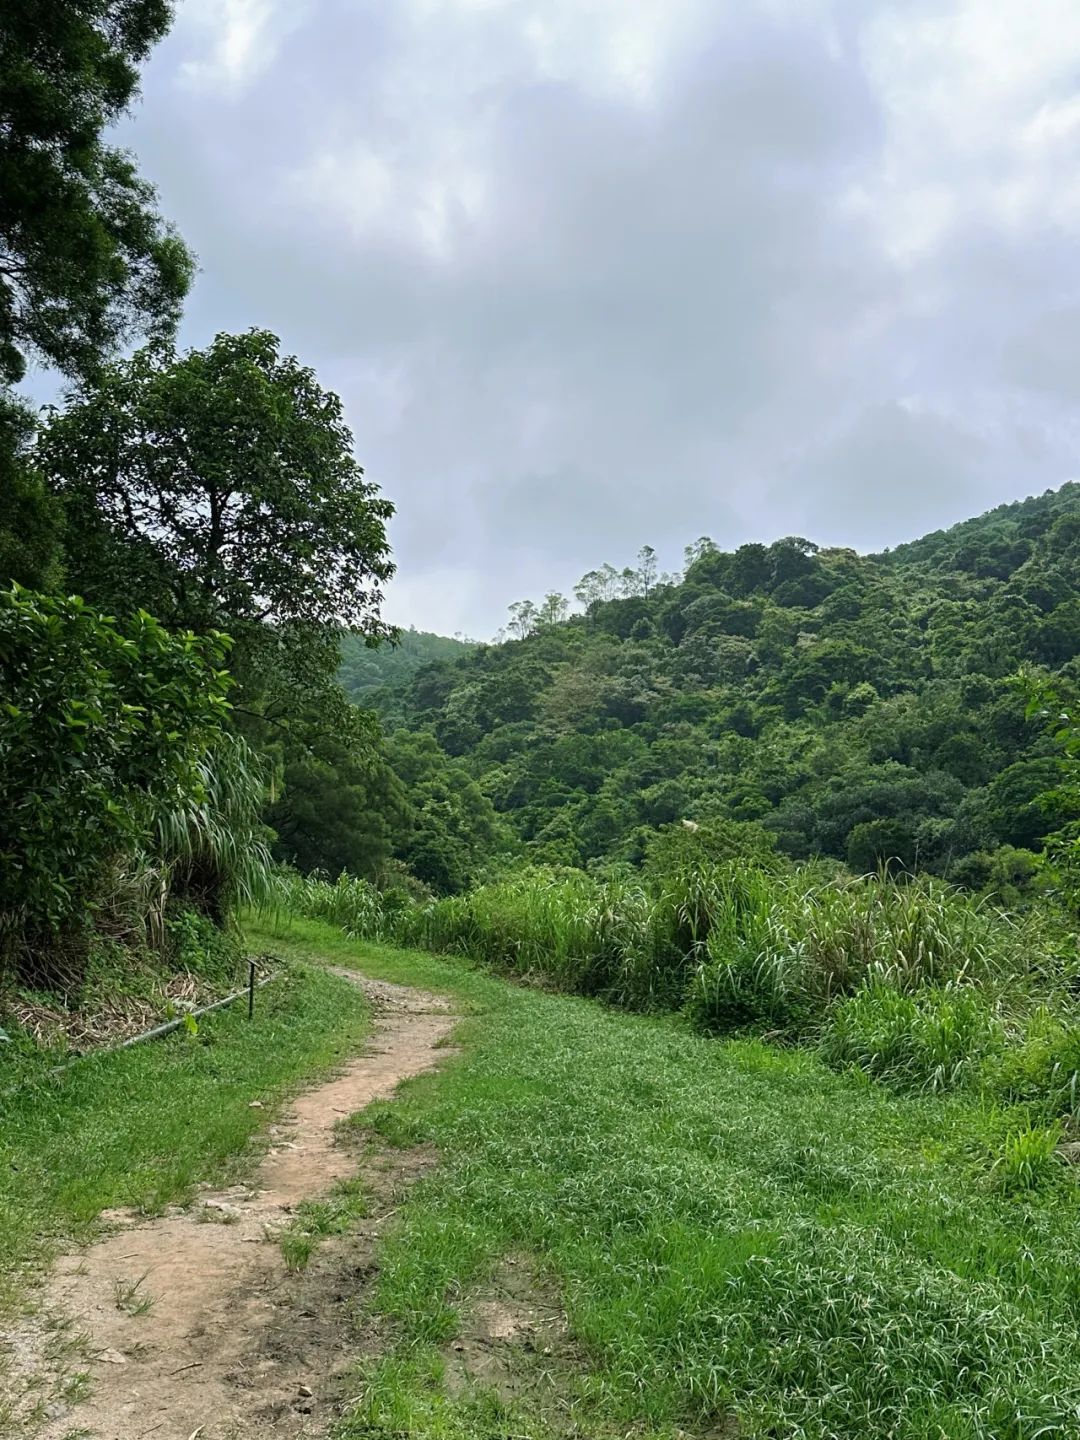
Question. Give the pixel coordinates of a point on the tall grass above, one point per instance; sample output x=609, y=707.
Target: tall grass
x=740, y=945
x=916, y=983
x=215, y=845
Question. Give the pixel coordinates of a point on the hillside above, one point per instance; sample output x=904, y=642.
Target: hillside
x=366, y=668
x=856, y=706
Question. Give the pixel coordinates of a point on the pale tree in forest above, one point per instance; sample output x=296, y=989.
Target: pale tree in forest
x=646, y=570
x=598, y=585
x=553, y=610
x=522, y=619
x=702, y=546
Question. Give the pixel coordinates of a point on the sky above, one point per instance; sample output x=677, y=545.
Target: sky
x=594, y=274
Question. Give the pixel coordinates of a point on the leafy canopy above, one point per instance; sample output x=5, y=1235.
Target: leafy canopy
x=226, y=478
x=105, y=726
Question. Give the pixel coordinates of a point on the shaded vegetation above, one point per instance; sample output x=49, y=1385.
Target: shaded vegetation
x=366, y=669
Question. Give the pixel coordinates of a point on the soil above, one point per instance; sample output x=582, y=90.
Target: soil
x=514, y=1339
x=189, y=1326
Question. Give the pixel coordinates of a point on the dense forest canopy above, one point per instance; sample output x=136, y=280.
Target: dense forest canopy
x=862, y=707
x=806, y=700
x=366, y=667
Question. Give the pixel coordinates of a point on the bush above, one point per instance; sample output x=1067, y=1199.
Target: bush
x=753, y=974
x=934, y=1039
x=118, y=781
x=195, y=944
x=889, y=976
x=782, y=948
x=354, y=905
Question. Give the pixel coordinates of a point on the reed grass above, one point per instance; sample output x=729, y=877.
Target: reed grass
x=913, y=981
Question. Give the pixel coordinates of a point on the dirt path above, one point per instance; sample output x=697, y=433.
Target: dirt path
x=183, y=1317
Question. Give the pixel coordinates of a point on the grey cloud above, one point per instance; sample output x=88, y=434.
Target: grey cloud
x=661, y=318
x=891, y=473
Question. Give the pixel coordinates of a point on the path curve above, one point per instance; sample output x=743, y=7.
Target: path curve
x=184, y=1368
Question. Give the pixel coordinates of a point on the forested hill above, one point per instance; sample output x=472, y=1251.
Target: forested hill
x=364, y=668
x=857, y=706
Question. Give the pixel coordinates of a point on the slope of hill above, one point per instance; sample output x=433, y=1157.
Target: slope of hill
x=856, y=706
x=364, y=668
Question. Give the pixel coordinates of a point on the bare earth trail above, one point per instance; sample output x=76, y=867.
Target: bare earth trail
x=226, y=1345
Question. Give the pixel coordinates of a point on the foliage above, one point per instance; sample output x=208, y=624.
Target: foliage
x=740, y=943
x=212, y=841
x=1055, y=704
x=936, y=1038
x=112, y=754
x=741, y=1239
x=352, y=904
x=1030, y=1158
x=31, y=519
x=451, y=828
x=366, y=668
x=857, y=707
x=232, y=471
x=85, y=260
x=1044, y=1070
x=338, y=811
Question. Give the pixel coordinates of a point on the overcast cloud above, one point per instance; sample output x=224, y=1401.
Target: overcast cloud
x=595, y=273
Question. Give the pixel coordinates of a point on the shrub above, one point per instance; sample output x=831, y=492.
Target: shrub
x=194, y=943
x=753, y=973
x=1043, y=1071
x=348, y=902
x=105, y=731
x=122, y=787
x=936, y=1038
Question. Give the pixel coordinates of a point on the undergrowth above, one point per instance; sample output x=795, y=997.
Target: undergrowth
x=913, y=981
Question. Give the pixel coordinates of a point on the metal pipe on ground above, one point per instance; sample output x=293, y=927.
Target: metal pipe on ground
x=156, y=1033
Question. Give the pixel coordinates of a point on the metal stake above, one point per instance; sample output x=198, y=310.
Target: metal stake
x=251, y=988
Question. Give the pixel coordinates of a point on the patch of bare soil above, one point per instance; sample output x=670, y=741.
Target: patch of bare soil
x=189, y=1325
x=514, y=1339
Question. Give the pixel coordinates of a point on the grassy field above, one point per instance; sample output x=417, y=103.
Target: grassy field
x=139, y=1127
x=744, y=1240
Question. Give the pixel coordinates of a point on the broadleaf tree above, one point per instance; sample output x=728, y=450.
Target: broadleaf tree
x=220, y=487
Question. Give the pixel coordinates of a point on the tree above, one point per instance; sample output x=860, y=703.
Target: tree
x=703, y=545
x=598, y=585
x=339, y=811
x=523, y=619
x=31, y=519
x=104, y=735
x=882, y=843
x=230, y=471
x=646, y=570
x=85, y=260
x=454, y=828
x=553, y=610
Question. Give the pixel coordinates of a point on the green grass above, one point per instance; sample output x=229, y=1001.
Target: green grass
x=140, y=1127
x=736, y=1231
